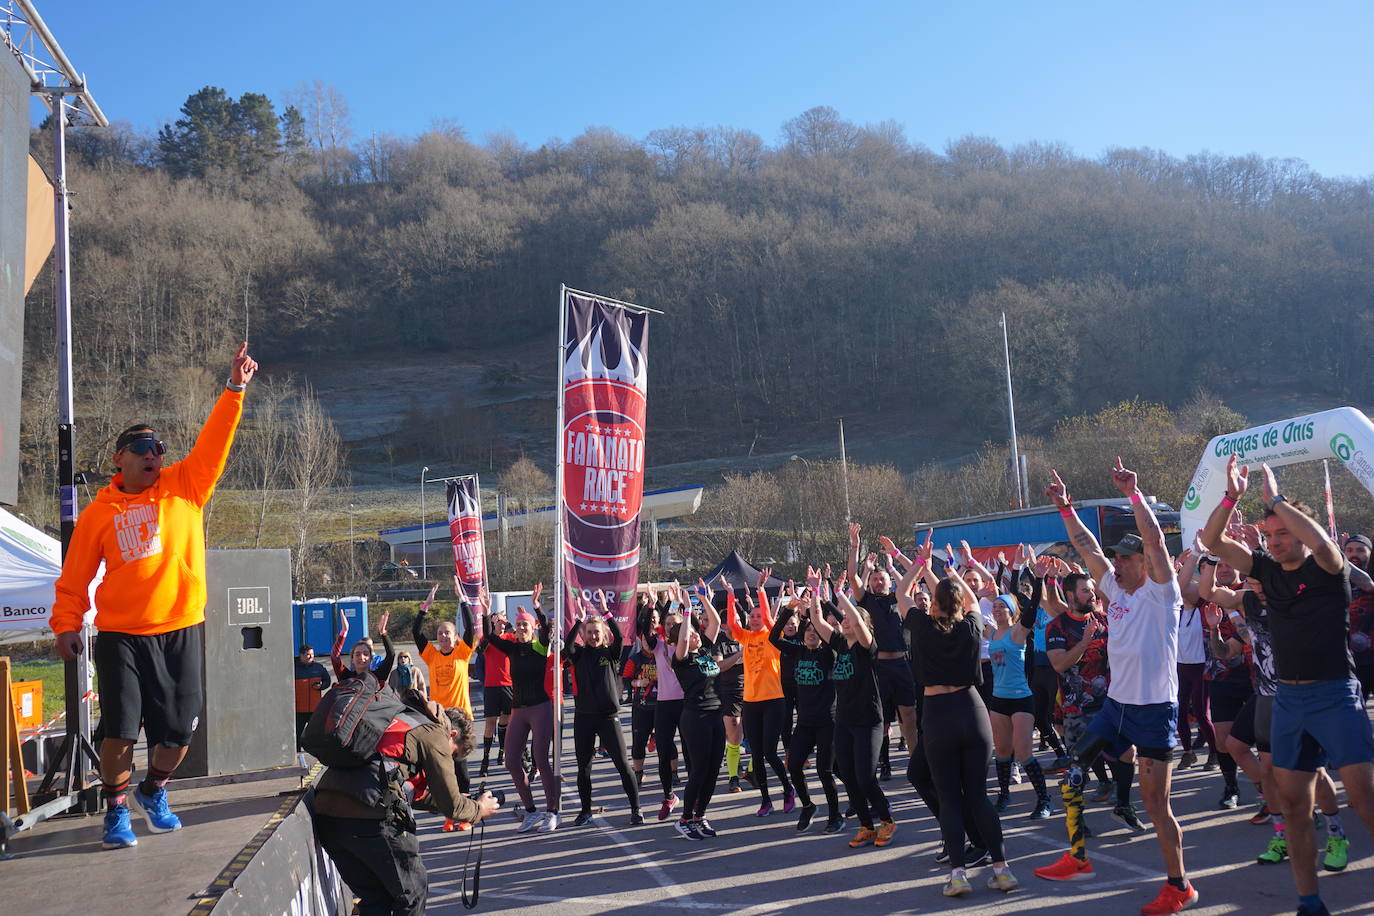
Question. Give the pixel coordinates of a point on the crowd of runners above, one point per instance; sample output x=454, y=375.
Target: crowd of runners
x=1251, y=650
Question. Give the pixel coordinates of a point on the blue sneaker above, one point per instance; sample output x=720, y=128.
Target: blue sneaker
x=119, y=833
x=154, y=808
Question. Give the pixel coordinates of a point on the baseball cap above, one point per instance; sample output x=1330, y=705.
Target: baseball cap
x=1129, y=545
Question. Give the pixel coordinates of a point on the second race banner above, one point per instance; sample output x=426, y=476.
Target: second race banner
x=469, y=546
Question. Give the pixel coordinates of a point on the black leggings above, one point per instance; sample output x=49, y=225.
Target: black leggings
x=588, y=731
x=918, y=774
x=856, y=756
x=763, y=730
x=667, y=714
x=1044, y=686
x=703, y=744
x=821, y=739
x=641, y=727
x=957, y=739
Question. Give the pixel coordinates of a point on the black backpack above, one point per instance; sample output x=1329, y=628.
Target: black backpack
x=345, y=728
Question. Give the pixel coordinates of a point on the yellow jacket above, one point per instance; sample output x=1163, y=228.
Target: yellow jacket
x=153, y=543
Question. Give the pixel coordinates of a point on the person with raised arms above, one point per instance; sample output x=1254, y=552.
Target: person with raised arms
x=1319, y=714
x=703, y=733
x=763, y=703
x=1137, y=578
x=668, y=708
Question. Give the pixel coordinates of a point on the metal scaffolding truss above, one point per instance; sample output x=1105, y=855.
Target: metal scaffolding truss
x=51, y=74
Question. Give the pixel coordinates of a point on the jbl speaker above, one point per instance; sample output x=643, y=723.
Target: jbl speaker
x=248, y=722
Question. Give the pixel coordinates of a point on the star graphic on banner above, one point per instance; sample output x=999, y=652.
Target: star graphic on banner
x=591, y=428
x=584, y=507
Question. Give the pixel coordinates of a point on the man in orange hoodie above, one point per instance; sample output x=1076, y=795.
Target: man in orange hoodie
x=146, y=527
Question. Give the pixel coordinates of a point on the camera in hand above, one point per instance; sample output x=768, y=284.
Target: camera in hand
x=496, y=794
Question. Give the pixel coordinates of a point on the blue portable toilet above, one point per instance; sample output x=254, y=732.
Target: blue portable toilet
x=315, y=625
x=354, y=608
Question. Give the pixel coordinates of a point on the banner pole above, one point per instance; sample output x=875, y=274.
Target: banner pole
x=558, y=587
x=1330, y=503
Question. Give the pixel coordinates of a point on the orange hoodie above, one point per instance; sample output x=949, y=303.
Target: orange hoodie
x=153, y=543
x=762, y=660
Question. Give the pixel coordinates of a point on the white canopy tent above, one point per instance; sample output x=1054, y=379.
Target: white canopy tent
x=1344, y=433
x=30, y=562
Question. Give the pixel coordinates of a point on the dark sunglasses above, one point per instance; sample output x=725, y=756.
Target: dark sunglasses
x=144, y=446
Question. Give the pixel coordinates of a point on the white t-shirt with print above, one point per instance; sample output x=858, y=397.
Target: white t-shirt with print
x=1143, y=650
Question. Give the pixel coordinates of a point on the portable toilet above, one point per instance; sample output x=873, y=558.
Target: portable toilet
x=315, y=625
x=354, y=609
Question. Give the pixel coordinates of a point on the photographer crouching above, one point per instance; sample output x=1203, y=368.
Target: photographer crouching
x=362, y=814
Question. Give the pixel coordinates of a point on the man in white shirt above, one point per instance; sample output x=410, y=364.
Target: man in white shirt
x=1141, y=709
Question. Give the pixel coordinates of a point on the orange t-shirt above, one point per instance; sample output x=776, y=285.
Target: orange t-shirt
x=448, y=675
x=762, y=660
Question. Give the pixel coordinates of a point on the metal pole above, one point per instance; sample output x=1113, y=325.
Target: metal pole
x=1025, y=482
x=1011, y=418
x=844, y=477
x=424, y=538
x=352, y=555
x=557, y=646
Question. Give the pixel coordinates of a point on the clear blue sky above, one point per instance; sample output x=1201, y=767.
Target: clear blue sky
x=1276, y=78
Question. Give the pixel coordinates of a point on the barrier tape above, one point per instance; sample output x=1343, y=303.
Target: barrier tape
x=51, y=723
x=223, y=882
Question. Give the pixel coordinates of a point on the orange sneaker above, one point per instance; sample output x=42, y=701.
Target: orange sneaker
x=864, y=837
x=1170, y=900
x=1068, y=868
x=884, y=833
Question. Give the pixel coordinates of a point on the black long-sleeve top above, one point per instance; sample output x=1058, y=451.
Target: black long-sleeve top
x=528, y=663
x=596, y=669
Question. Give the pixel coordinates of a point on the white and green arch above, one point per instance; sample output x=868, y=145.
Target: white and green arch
x=1344, y=433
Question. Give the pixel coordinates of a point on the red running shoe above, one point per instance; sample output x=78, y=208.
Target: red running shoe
x=1170, y=900
x=1068, y=868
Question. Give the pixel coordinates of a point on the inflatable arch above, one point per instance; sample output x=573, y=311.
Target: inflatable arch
x=1344, y=433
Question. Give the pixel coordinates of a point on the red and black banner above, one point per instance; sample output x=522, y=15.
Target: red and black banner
x=605, y=384
x=465, y=531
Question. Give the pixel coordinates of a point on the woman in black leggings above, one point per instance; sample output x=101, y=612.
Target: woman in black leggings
x=858, y=719
x=955, y=733
x=703, y=732
x=595, y=665
x=810, y=663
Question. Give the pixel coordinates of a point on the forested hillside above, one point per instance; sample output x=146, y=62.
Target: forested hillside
x=837, y=269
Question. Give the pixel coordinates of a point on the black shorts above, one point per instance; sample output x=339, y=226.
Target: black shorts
x=1244, y=729
x=1008, y=707
x=732, y=701
x=495, y=701
x=154, y=681
x=896, y=686
x=1226, y=700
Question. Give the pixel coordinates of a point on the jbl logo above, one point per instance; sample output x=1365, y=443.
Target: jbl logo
x=249, y=606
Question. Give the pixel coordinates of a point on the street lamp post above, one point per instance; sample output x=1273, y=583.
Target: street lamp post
x=424, y=555
x=794, y=461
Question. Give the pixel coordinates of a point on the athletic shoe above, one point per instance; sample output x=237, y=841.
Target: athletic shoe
x=885, y=772
x=942, y=856
x=1230, y=798
x=1016, y=773
x=463, y=826
x=789, y=801
x=1211, y=763
x=704, y=827
x=1275, y=852
x=849, y=811
x=1003, y=802
x=1106, y=790
x=885, y=831
x=687, y=830
x=668, y=806
x=154, y=807
x=1189, y=759
x=119, y=832
x=583, y=819
x=957, y=886
x=501, y=759
x=1061, y=763
x=1170, y=900
x=549, y=823
x=765, y=809
x=1337, y=853
x=1262, y=816
x=1043, y=809
x=1319, y=910
x=636, y=818
x=1068, y=868
x=531, y=820
x=808, y=811
x=901, y=744
x=834, y=824
x=1125, y=815
x=974, y=857
x=483, y=771
x=734, y=784
x=864, y=837
x=1005, y=882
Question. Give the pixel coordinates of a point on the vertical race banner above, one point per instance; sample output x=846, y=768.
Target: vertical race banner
x=604, y=385
x=469, y=545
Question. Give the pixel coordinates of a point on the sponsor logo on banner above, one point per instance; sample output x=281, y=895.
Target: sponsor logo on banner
x=605, y=383
x=465, y=533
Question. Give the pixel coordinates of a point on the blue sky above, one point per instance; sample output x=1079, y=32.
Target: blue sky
x=1277, y=78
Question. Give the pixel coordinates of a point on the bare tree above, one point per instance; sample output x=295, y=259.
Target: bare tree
x=314, y=465
x=328, y=125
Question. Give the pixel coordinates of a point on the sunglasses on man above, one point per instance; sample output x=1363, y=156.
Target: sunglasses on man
x=144, y=446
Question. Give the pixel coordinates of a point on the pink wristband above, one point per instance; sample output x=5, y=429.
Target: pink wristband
x=1136, y=498
x=920, y=561
x=1067, y=512
x=1228, y=501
